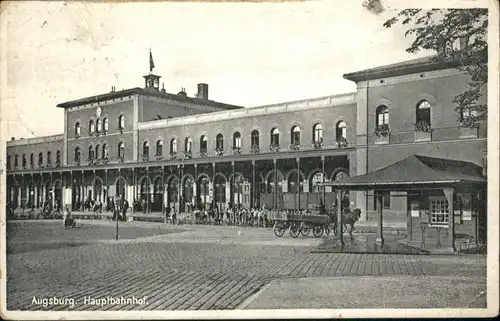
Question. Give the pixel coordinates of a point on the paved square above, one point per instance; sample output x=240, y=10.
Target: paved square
x=161, y=267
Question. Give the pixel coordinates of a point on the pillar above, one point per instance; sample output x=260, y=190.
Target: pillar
x=450, y=193
x=19, y=189
x=195, y=186
x=298, y=183
x=129, y=193
x=339, y=217
x=228, y=193
x=275, y=190
x=67, y=197
x=252, y=199
x=380, y=219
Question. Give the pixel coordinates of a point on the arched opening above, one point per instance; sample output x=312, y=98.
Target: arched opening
x=91, y=153
x=120, y=187
x=121, y=151
x=98, y=125
x=58, y=194
x=97, y=151
x=77, y=129
x=295, y=183
x=295, y=135
x=173, y=146
x=173, y=192
x=105, y=151
x=204, y=194
x=423, y=116
x=40, y=159
x=188, y=192
x=219, y=143
x=91, y=127
x=203, y=144
x=121, y=122
x=237, y=189
x=382, y=115
x=77, y=155
x=188, y=145
x=159, y=148
x=32, y=160
x=105, y=125
x=58, y=158
x=145, y=149
x=341, y=131
x=16, y=161
x=271, y=187
x=158, y=188
x=25, y=164
x=237, y=141
x=318, y=134
x=144, y=195
x=220, y=191
x=275, y=137
x=98, y=190
x=255, y=140
x=315, y=182
x=49, y=158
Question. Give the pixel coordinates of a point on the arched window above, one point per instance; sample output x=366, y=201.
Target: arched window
x=32, y=160
x=105, y=125
x=255, y=139
x=219, y=142
x=423, y=116
x=25, y=164
x=173, y=146
x=317, y=179
x=77, y=129
x=275, y=137
x=236, y=140
x=8, y=161
x=295, y=135
x=188, y=144
x=121, y=122
x=105, y=150
x=203, y=144
x=58, y=157
x=16, y=161
x=49, y=158
x=97, y=151
x=91, y=127
x=77, y=154
x=98, y=125
x=159, y=148
x=341, y=130
x=40, y=159
x=382, y=115
x=318, y=133
x=121, y=150
x=145, y=149
x=91, y=152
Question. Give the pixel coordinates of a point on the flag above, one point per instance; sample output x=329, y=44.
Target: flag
x=151, y=62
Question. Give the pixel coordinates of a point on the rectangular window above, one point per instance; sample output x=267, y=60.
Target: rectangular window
x=438, y=210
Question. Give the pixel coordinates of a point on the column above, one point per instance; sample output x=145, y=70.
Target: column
x=233, y=185
x=148, y=190
x=339, y=217
x=380, y=218
x=298, y=183
x=275, y=189
x=195, y=186
x=449, y=193
x=129, y=191
x=67, y=197
x=228, y=193
x=253, y=202
x=323, y=176
x=19, y=189
x=179, y=190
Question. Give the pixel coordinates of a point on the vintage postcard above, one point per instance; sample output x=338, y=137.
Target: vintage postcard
x=236, y=159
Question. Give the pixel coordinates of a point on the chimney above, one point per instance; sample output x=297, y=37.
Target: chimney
x=202, y=91
x=12, y=138
x=163, y=87
x=182, y=92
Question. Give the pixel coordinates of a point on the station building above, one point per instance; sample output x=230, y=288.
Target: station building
x=172, y=150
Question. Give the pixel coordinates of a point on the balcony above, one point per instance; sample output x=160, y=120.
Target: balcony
x=236, y=150
x=295, y=146
x=274, y=148
x=145, y=158
x=381, y=140
x=342, y=142
x=423, y=131
x=188, y=154
x=219, y=151
x=382, y=134
x=158, y=156
x=318, y=144
x=255, y=149
x=173, y=155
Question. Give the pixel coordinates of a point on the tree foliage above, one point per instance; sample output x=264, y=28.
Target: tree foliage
x=442, y=30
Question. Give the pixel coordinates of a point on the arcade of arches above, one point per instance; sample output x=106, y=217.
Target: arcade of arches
x=284, y=183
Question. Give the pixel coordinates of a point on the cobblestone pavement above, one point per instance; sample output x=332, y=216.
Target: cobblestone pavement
x=187, y=268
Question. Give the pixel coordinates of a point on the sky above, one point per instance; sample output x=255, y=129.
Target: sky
x=250, y=54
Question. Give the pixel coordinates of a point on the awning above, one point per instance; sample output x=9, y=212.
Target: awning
x=416, y=170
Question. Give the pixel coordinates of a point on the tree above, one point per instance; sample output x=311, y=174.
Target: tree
x=441, y=30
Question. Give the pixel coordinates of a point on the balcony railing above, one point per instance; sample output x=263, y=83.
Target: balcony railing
x=341, y=142
x=219, y=151
x=236, y=150
x=274, y=148
x=318, y=144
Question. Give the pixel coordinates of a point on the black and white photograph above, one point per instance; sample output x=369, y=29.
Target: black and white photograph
x=249, y=159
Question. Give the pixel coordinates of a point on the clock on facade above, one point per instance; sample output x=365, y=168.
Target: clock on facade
x=99, y=111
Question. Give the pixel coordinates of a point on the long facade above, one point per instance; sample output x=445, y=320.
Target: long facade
x=163, y=149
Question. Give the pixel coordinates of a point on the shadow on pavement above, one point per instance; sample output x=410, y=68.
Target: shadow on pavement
x=366, y=244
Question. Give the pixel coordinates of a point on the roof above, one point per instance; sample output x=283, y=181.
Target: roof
x=402, y=68
x=145, y=92
x=417, y=170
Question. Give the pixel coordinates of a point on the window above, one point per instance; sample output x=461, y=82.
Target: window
x=386, y=201
x=159, y=148
x=121, y=122
x=341, y=130
x=295, y=135
x=275, y=137
x=439, y=214
x=49, y=158
x=316, y=180
x=91, y=152
x=188, y=144
x=58, y=157
x=173, y=145
x=236, y=140
x=317, y=133
x=32, y=160
x=423, y=116
x=105, y=151
x=203, y=144
x=382, y=115
x=91, y=126
x=98, y=125
x=121, y=150
x=219, y=142
x=145, y=149
x=77, y=154
x=97, y=151
x=40, y=159
x=24, y=161
x=255, y=138
x=16, y=161
x=105, y=125
x=8, y=161
x=77, y=129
